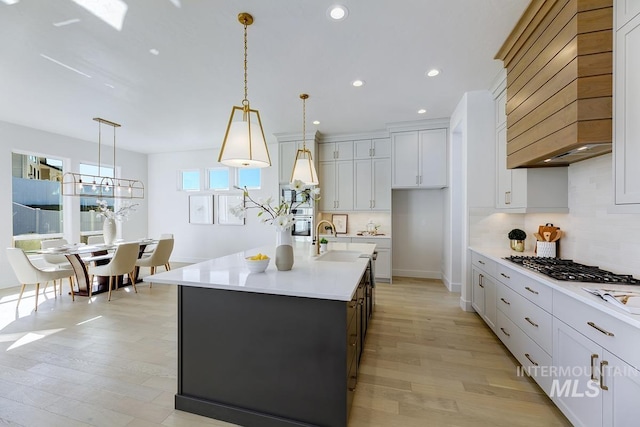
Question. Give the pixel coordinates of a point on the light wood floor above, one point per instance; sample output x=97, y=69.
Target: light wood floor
x=426, y=363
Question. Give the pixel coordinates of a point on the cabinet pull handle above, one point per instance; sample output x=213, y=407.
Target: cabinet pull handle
x=505, y=332
x=480, y=277
x=505, y=276
x=355, y=382
x=373, y=150
x=607, y=333
x=531, y=290
x=420, y=179
x=355, y=340
x=593, y=359
x=480, y=262
x=530, y=359
x=505, y=301
x=531, y=321
x=507, y=197
x=352, y=304
x=602, y=365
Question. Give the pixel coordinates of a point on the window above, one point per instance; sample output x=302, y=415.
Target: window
x=89, y=220
x=189, y=180
x=219, y=179
x=37, y=202
x=249, y=178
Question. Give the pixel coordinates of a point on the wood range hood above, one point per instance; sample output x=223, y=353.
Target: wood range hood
x=559, y=83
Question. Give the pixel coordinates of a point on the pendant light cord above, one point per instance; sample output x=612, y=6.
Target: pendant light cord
x=304, y=123
x=245, y=101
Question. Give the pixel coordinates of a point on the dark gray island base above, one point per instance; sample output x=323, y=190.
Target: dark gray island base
x=264, y=360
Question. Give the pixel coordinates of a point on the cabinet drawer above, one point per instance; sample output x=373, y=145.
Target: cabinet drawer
x=483, y=263
x=534, y=360
x=531, y=319
x=615, y=336
x=536, y=292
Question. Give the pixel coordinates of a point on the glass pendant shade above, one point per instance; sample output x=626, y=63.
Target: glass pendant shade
x=304, y=169
x=244, y=143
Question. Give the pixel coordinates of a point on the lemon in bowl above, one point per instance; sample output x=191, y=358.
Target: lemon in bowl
x=257, y=263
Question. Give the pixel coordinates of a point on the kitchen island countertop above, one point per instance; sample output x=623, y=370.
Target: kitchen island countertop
x=333, y=280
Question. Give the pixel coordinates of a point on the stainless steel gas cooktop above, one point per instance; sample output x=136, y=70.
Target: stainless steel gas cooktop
x=567, y=270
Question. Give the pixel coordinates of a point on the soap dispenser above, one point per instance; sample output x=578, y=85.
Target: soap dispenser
x=371, y=228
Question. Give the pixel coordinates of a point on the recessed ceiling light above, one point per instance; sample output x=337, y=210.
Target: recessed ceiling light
x=358, y=83
x=315, y=122
x=67, y=22
x=154, y=52
x=109, y=85
x=338, y=12
x=422, y=111
x=10, y=2
x=433, y=72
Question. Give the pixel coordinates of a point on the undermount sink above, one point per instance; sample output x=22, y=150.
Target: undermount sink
x=339, y=256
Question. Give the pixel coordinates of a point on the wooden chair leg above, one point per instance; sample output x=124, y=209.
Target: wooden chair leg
x=110, y=285
x=73, y=297
x=37, y=292
x=55, y=291
x=167, y=266
x=20, y=297
x=152, y=271
x=132, y=279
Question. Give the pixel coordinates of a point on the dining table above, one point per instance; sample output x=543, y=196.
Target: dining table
x=80, y=255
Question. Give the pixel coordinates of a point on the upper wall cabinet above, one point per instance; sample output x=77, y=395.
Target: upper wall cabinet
x=372, y=148
x=419, y=159
x=627, y=102
x=559, y=71
x=526, y=190
x=342, y=150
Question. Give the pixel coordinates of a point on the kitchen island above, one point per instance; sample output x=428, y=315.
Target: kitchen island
x=279, y=348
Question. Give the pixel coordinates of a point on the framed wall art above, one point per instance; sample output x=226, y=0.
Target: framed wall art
x=340, y=221
x=225, y=202
x=201, y=209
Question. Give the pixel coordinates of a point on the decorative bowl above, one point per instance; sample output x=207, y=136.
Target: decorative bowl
x=257, y=265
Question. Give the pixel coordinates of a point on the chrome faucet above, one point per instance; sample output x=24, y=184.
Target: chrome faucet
x=333, y=227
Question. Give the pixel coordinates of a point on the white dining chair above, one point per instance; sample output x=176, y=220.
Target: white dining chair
x=159, y=257
x=57, y=260
x=28, y=274
x=123, y=262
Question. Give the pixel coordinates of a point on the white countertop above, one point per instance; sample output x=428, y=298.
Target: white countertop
x=573, y=289
x=308, y=278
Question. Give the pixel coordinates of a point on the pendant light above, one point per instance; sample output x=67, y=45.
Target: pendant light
x=244, y=144
x=84, y=185
x=303, y=167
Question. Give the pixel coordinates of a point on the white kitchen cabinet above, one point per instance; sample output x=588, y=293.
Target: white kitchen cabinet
x=419, y=159
x=383, y=261
x=372, y=148
x=599, y=355
x=483, y=296
x=372, y=184
x=342, y=150
x=626, y=147
x=625, y=10
x=336, y=182
x=526, y=190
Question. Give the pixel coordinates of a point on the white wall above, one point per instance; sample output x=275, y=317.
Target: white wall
x=73, y=152
x=473, y=166
x=169, y=208
x=417, y=233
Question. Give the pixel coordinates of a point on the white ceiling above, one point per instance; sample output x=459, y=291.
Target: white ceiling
x=181, y=99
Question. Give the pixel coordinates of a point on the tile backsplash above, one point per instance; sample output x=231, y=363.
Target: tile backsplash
x=357, y=221
x=592, y=234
